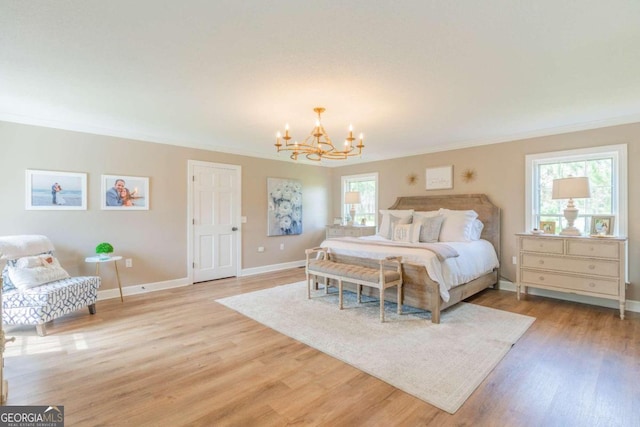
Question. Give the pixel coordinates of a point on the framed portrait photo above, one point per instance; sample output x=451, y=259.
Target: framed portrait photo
x=51, y=190
x=126, y=193
x=602, y=225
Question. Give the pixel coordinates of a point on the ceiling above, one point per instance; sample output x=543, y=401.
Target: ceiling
x=413, y=76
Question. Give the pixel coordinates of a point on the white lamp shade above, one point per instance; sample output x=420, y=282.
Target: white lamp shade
x=352, y=197
x=571, y=188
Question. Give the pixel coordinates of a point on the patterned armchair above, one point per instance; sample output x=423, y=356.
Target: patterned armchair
x=35, y=288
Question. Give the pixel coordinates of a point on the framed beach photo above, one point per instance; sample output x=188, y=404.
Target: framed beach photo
x=548, y=227
x=51, y=190
x=126, y=193
x=602, y=225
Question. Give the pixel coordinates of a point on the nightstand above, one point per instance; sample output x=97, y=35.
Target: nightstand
x=350, y=230
x=580, y=265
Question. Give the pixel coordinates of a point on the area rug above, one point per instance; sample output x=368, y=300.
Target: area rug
x=440, y=364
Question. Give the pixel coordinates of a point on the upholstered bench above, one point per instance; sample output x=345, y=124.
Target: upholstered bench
x=41, y=304
x=388, y=274
x=37, y=304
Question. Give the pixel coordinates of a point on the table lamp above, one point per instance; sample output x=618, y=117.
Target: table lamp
x=571, y=188
x=352, y=198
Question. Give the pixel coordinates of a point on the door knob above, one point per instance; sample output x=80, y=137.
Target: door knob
x=234, y=228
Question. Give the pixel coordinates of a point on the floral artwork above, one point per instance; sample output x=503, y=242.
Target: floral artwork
x=285, y=206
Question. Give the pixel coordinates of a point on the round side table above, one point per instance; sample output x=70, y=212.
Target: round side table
x=98, y=260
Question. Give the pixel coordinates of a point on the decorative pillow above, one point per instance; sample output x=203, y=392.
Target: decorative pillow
x=34, y=261
x=457, y=225
x=476, y=229
x=430, y=227
x=409, y=233
x=48, y=270
x=7, y=284
x=391, y=217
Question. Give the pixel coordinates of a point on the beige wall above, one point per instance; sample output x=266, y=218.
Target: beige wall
x=156, y=239
x=500, y=172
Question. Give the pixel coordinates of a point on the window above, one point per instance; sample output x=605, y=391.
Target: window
x=367, y=186
x=606, y=169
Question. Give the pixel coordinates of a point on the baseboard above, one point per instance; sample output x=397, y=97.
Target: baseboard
x=177, y=283
x=143, y=289
x=630, y=305
x=272, y=267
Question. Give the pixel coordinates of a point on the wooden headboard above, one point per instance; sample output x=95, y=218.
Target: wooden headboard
x=488, y=213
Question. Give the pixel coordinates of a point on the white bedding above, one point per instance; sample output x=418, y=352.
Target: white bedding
x=475, y=258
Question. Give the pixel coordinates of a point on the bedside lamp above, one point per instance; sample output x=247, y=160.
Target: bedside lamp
x=352, y=198
x=571, y=188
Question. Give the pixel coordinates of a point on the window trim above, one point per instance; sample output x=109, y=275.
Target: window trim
x=361, y=177
x=620, y=186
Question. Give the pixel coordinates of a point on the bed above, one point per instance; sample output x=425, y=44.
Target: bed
x=423, y=287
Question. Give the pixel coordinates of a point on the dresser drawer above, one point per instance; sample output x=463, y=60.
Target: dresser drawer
x=351, y=232
x=540, y=244
x=334, y=232
x=576, y=283
x=572, y=265
x=593, y=249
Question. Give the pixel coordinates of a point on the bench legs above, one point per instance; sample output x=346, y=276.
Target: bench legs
x=399, y=299
x=41, y=329
x=312, y=279
x=358, y=292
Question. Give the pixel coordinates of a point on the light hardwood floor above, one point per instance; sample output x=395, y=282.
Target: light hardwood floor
x=177, y=358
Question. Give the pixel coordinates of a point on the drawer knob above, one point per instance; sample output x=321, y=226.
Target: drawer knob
x=592, y=285
x=591, y=248
x=541, y=262
x=541, y=278
x=592, y=267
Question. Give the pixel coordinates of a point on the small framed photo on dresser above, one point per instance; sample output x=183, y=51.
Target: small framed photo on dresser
x=548, y=227
x=602, y=225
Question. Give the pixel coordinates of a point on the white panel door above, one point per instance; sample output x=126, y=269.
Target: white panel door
x=216, y=192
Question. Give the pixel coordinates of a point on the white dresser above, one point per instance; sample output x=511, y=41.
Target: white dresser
x=579, y=265
x=350, y=230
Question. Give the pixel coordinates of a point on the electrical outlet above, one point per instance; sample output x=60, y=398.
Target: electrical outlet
x=128, y=263
x=514, y=260
x=260, y=248
x=282, y=246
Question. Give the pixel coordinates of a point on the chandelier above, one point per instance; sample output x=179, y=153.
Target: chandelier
x=318, y=145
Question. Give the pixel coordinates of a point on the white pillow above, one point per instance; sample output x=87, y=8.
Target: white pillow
x=476, y=229
x=35, y=261
x=391, y=217
x=30, y=277
x=409, y=233
x=430, y=227
x=457, y=225
x=427, y=214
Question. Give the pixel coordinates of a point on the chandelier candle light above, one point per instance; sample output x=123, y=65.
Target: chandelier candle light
x=318, y=145
x=570, y=188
